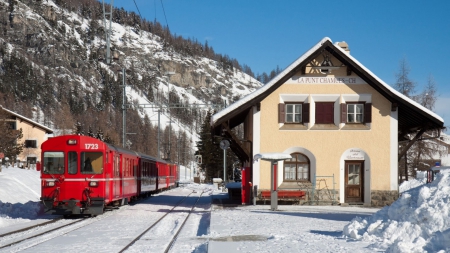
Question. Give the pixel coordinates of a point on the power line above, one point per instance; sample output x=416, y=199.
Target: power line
x=138, y=8
x=165, y=15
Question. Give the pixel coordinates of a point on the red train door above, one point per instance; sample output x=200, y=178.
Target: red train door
x=116, y=177
x=107, y=169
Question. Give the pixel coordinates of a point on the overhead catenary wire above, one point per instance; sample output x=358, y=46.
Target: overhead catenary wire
x=138, y=8
x=165, y=17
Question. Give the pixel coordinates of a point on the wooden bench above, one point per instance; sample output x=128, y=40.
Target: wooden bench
x=284, y=195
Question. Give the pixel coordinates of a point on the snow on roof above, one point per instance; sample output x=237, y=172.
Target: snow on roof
x=272, y=82
x=27, y=119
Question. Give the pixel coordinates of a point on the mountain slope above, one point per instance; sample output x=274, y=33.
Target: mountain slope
x=53, y=69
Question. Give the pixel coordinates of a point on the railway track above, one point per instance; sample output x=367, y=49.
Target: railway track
x=30, y=227
x=35, y=232
x=176, y=213
x=34, y=235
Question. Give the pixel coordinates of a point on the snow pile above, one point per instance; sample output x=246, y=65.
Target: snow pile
x=19, y=195
x=418, y=221
x=421, y=179
x=28, y=210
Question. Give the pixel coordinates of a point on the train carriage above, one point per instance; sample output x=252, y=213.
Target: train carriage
x=83, y=175
x=148, y=175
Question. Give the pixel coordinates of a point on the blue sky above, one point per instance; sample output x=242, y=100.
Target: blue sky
x=265, y=34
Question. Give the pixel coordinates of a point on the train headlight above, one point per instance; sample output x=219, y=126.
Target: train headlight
x=93, y=183
x=50, y=183
x=72, y=142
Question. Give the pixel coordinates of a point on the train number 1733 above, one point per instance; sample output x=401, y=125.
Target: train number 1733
x=91, y=146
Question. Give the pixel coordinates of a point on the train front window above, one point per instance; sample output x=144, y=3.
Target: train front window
x=53, y=163
x=72, y=162
x=91, y=162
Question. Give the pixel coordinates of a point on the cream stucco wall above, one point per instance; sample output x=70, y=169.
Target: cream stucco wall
x=31, y=132
x=328, y=146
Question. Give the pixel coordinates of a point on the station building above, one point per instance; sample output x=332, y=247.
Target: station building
x=340, y=123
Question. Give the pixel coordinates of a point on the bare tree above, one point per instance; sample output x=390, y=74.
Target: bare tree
x=428, y=96
x=404, y=85
x=421, y=154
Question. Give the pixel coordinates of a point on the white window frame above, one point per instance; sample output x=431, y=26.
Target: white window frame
x=354, y=105
x=293, y=113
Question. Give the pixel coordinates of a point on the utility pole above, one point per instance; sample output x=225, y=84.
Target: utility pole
x=108, y=30
x=168, y=74
x=124, y=109
x=159, y=132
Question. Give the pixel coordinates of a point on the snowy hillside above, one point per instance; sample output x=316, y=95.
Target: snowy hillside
x=56, y=59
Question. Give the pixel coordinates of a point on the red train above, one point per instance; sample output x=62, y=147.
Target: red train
x=83, y=175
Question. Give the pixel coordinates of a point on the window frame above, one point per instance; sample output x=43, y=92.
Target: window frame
x=304, y=112
x=30, y=144
x=366, y=112
x=293, y=112
x=354, y=113
x=296, y=162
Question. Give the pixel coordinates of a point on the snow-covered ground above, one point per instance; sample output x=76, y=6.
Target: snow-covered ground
x=418, y=222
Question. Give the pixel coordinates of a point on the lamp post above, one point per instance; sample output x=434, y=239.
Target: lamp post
x=273, y=158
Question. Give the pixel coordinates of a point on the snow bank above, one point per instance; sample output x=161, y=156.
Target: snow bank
x=421, y=179
x=419, y=221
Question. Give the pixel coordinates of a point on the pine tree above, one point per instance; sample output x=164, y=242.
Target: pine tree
x=78, y=129
x=90, y=133
x=209, y=150
x=100, y=135
x=10, y=143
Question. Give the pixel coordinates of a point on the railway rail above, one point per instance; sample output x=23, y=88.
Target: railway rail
x=171, y=211
x=38, y=234
x=30, y=227
x=47, y=227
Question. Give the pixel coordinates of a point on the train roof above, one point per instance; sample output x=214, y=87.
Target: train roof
x=114, y=147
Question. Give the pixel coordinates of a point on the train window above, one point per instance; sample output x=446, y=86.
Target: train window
x=72, y=162
x=53, y=163
x=91, y=162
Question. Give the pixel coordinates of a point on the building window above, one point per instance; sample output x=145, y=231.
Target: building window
x=295, y=113
x=324, y=112
x=30, y=144
x=297, y=168
x=356, y=112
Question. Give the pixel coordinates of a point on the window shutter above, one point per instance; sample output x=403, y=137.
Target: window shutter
x=368, y=113
x=344, y=113
x=281, y=113
x=305, y=112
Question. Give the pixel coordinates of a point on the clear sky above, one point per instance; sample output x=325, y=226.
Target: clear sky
x=265, y=34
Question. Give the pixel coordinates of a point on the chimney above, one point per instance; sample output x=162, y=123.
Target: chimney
x=344, y=46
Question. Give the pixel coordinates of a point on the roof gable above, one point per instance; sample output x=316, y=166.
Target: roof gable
x=411, y=116
x=32, y=122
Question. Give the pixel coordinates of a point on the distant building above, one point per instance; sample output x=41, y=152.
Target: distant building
x=33, y=136
x=340, y=123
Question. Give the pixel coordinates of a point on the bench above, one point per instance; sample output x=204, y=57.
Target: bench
x=284, y=195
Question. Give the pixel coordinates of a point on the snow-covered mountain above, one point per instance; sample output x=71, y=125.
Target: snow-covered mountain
x=53, y=64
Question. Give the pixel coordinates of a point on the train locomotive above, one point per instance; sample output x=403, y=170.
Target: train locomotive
x=83, y=175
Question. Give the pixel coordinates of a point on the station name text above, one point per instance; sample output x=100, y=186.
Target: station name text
x=327, y=80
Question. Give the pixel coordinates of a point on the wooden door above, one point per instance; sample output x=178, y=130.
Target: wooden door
x=354, y=181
